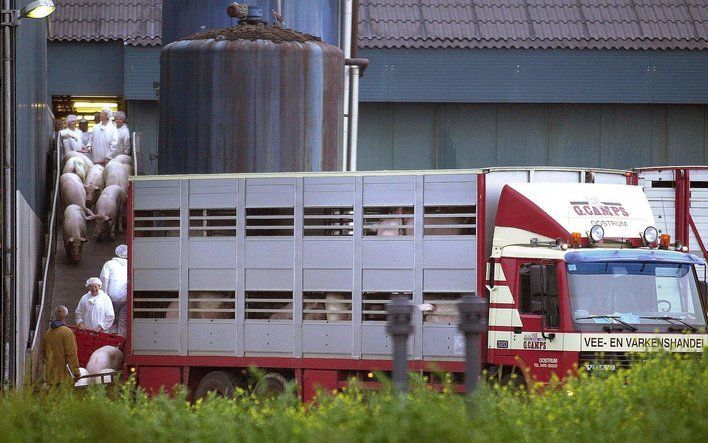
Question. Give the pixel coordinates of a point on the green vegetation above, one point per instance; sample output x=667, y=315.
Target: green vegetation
x=663, y=399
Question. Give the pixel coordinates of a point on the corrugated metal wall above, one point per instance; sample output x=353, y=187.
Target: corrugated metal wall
x=33, y=132
x=142, y=69
x=535, y=76
x=143, y=118
x=447, y=135
x=85, y=68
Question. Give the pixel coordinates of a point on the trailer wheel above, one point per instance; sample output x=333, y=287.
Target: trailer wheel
x=222, y=383
x=271, y=385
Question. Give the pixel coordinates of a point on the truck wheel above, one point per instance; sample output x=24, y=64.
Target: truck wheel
x=514, y=381
x=222, y=383
x=272, y=384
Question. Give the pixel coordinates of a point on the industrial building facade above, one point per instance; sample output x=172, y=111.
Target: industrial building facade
x=474, y=83
x=462, y=83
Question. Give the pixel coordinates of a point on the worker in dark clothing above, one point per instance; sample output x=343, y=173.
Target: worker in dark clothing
x=58, y=350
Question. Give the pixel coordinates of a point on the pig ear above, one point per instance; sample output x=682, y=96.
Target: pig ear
x=71, y=239
x=90, y=213
x=82, y=240
x=91, y=217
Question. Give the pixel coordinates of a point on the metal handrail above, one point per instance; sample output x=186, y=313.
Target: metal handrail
x=51, y=250
x=135, y=145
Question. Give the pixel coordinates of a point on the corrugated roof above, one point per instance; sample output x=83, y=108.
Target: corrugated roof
x=136, y=22
x=534, y=24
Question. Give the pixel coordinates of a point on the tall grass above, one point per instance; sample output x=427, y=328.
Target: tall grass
x=664, y=399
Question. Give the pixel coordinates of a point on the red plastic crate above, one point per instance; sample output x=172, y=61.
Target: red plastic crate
x=88, y=341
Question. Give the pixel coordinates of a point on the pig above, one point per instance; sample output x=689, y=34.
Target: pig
x=126, y=161
x=79, y=155
x=71, y=190
x=335, y=303
x=74, y=231
x=106, y=357
x=305, y=316
x=441, y=221
x=76, y=165
x=204, y=300
x=93, y=184
x=442, y=313
x=122, y=158
x=115, y=174
x=172, y=310
x=109, y=209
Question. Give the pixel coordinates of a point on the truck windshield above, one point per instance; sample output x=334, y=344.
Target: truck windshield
x=630, y=291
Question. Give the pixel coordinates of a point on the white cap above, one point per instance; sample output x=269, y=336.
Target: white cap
x=94, y=281
x=71, y=118
x=107, y=111
x=122, y=251
x=120, y=114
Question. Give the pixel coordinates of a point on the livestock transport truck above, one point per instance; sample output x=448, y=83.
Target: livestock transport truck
x=291, y=273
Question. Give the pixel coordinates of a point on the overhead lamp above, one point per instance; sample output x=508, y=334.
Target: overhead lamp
x=37, y=9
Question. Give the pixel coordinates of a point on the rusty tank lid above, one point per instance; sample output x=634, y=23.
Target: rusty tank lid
x=253, y=32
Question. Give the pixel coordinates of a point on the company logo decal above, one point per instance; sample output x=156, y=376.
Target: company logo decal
x=595, y=207
x=534, y=341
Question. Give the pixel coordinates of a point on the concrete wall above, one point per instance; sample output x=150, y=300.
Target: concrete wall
x=447, y=135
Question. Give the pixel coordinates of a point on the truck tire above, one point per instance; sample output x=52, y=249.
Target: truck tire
x=515, y=381
x=222, y=383
x=272, y=384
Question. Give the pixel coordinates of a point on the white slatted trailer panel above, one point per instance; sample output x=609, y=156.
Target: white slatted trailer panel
x=300, y=265
x=699, y=210
x=660, y=189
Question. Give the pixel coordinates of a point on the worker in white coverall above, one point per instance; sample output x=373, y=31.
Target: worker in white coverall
x=114, y=277
x=104, y=138
x=71, y=136
x=95, y=310
x=123, y=146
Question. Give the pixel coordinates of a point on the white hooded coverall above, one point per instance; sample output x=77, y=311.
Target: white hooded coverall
x=104, y=140
x=114, y=276
x=71, y=140
x=95, y=311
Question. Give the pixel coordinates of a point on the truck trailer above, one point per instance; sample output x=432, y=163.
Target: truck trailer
x=291, y=273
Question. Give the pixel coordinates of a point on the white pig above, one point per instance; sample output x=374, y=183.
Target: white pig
x=74, y=231
x=108, y=211
x=76, y=154
x=72, y=192
x=126, y=161
x=115, y=174
x=94, y=183
x=76, y=165
x=106, y=357
x=336, y=303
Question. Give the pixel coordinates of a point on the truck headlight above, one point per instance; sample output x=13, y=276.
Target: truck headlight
x=597, y=233
x=650, y=235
